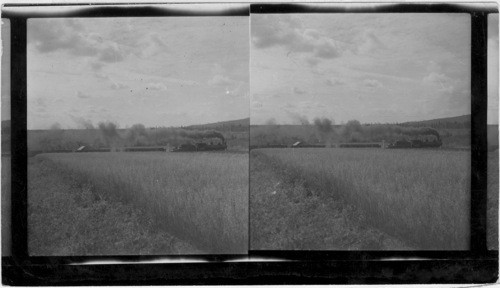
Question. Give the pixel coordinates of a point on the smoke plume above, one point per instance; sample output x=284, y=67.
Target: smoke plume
x=323, y=125
x=325, y=129
x=109, y=133
x=137, y=135
x=271, y=121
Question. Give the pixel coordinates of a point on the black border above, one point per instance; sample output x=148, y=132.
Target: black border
x=478, y=265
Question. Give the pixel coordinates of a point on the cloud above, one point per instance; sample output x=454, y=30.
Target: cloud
x=111, y=54
x=371, y=43
x=435, y=78
x=334, y=82
x=157, y=87
x=96, y=66
x=52, y=35
x=69, y=35
x=219, y=80
x=152, y=45
x=312, y=61
x=296, y=90
x=372, y=83
x=288, y=33
x=118, y=86
x=444, y=82
x=82, y=95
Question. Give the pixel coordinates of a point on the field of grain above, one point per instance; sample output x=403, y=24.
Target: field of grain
x=419, y=196
x=201, y=198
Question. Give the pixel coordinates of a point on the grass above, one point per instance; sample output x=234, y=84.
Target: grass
x=419, y=196
x=286, y=214
x=65, y=218
x=198, y=197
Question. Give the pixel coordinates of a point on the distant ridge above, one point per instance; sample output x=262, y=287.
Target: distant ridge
x=455, y=120
x=223, y=125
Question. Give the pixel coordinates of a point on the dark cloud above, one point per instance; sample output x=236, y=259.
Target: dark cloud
x=285, y=31
x=111, y=54
x=298, y=91
x=82, y=95
x=96, y=66
x=69, y=35
x=312, y=61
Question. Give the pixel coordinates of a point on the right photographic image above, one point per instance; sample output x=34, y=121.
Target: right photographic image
x=360, y=129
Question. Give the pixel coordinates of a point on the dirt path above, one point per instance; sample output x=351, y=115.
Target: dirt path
x=288, y=216
x=66, y=218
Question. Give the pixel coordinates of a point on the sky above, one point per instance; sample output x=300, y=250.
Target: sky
x=160, y=71
x=370, y=67
x=493, y=69
x=5, y=69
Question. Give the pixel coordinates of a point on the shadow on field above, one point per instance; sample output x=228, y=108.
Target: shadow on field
x=66, y=217
x=288, y=212
x=201, y=198
x=419, y=196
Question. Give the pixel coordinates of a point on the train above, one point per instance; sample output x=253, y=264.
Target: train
x=201, y=146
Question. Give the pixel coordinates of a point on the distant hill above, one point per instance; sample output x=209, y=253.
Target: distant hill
x=240, y=125
x=456, y=122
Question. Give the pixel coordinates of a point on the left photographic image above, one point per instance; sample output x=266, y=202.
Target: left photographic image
x=138, y=133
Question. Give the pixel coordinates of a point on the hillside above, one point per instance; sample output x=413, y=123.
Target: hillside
x=240, y=125
x=456, y=122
